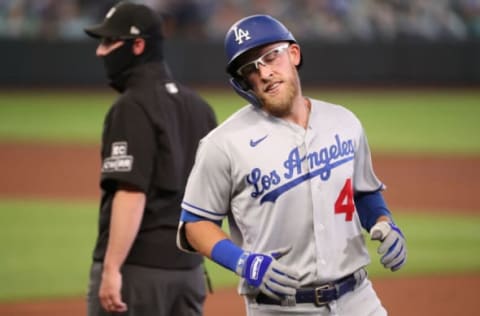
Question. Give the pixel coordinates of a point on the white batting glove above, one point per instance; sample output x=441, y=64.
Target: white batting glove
x=264, y=272
x=393, y=248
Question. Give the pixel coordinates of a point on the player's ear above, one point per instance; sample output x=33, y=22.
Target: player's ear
x=295, y=53
x=138, y=46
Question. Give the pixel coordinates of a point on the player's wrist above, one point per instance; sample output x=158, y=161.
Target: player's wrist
x=229, y=255
x=241, y=263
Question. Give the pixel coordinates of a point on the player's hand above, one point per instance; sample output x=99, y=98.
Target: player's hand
x=109, y=292
x=393, y=248
x=264, y=272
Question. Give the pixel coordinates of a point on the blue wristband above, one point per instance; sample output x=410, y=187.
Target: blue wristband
x=370, y=206
x=226, y=254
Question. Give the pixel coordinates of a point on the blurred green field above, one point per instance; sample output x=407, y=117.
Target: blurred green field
x=46, y=246
x=441, y=121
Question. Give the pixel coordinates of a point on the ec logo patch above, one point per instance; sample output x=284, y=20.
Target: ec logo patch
x=119, y=149
x=118, y=161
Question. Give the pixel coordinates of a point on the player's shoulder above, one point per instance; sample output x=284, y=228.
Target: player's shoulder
x=331, y=107
x=332, y=110
x=243, y=118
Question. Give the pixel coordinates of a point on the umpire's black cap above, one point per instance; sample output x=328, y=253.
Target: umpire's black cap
x=127, y=20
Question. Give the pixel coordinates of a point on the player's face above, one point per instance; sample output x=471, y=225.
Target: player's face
x=273, y=76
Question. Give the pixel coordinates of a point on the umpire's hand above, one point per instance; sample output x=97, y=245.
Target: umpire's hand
x=109, y=292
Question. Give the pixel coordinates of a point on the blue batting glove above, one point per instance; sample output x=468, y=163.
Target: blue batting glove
x=393, y=248
x=264, y=272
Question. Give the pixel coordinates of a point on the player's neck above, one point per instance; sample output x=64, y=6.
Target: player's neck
x=300, y=111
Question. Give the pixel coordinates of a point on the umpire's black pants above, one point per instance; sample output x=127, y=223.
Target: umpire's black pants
x=148, y=291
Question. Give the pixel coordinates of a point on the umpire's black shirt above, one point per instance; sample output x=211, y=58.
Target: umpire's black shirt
x=149, y=141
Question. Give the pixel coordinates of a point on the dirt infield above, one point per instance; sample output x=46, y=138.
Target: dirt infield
x=445, y=296
x=436, y=184
x=433, y=183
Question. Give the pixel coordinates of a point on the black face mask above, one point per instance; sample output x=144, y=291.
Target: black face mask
x=119, y=60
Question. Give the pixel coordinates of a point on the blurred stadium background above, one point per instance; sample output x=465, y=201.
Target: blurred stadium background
x=345, y=41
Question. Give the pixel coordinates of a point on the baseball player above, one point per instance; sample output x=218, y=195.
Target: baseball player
x=294, y=177
x=149, y=140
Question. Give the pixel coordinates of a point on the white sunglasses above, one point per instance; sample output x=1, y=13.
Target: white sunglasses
x=266, y=59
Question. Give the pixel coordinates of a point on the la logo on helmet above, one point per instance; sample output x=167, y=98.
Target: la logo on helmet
x=241, y=35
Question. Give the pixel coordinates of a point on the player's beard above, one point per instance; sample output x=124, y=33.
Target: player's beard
x=281, y=105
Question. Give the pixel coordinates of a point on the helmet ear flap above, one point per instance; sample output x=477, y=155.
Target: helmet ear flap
x=243, y=89
x=242, y=83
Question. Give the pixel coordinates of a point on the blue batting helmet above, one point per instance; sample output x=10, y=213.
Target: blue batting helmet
x=250, y=32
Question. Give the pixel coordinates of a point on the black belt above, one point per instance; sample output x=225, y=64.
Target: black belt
x=320, y=295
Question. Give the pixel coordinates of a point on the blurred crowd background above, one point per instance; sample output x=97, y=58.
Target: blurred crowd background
x=319, y=20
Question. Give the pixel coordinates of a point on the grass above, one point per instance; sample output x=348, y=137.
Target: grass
x=437, y=244
x=53, y=117
x=420, y=121
x=46, y=248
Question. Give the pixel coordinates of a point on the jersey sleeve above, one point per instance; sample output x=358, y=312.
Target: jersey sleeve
x=209, y=186
x=364, y=178
x=128, y=147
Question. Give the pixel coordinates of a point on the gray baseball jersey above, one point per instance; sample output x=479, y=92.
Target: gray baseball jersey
x=282, y=185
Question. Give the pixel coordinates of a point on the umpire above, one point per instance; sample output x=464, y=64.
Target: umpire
x=150, y=136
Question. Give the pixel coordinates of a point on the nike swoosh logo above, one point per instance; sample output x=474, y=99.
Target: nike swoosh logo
x=254, y=143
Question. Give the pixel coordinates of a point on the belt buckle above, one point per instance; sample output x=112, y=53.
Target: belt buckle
x=318, y=294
